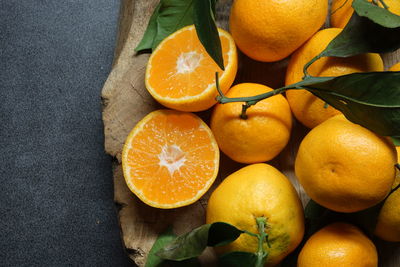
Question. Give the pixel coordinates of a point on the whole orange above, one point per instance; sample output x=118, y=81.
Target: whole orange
x=387, y=227
x=259, y=190
x=259, y=137
x=338, y=244
x=344, y=166
x=307, y=108
x=342, y=11
x=271, y=30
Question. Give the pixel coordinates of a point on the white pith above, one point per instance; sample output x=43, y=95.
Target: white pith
x=188, y=62
x=171, y=157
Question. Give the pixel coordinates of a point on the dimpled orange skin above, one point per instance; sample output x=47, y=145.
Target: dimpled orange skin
x=344, y=166
x=388, y=224
x=342, y=11
x=338, y=245
x=271, y=30
x=261, y=136
x=259, y=190
x=307, y=108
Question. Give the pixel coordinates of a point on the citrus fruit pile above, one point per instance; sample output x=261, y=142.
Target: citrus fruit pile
x=171, y=157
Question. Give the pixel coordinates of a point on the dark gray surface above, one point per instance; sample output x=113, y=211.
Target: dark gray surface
x=56, y=206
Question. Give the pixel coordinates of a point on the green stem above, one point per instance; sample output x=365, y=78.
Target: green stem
x=243, y=115
x=252, y=100
x=397, y=165
x=309, y=63
x=384, y=4
x=221, y=94
x=334, y=11
x=262, y=237
x=394, y=189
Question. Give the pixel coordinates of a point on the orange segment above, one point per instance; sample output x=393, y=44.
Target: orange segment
x=170, y=159
x=181, y=75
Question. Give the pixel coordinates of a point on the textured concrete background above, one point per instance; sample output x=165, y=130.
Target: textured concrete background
x=56, y=206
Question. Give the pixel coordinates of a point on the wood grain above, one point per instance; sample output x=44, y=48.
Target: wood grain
x=126, y=101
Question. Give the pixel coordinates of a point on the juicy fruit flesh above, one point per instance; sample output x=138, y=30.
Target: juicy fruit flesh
x=184, y=69
x=170, y=159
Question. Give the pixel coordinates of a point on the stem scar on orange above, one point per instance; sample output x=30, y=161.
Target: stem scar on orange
x=262, y=135
x=170, y=159
x=181, y=75
x=344, y=166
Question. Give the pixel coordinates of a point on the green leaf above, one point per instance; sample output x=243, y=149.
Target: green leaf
x=192, y=244
x=362, y=35
x=168, y=17
x=204, y=21
x=396, y=140
x=151, y=31
x=221, y=234
x=237, y=259
x=193, y=262
x=370, y=99
x=377, y=14
x=371, y=29
x=164, y=238
x=367, y=219
x=313, y=210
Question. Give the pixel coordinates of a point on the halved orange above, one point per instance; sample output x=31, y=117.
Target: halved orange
x=181, y=75
x=170, y=159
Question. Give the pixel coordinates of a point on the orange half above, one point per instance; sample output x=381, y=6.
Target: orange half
x=170, y=159
x=181, y=75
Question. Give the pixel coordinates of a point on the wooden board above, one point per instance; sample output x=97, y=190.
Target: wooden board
x=126, y=101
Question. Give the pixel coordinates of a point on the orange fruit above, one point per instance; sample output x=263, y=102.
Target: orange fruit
x=170, y=159
x=262, y=135
x=395, y=67
x=271, y=30
x=259, y=190
x=181, y=75
x=338, y=244
x=307, y=108
x=387, y=227
x=339, y=161
x=342, y=11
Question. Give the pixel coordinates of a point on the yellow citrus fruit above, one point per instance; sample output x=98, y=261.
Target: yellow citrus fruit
x=342, y=11
x=338, y=244
x=307, y=108
x=259, y=190
x=344, y=166
x=170, y=159
x=259, y=137
x=395, y=67
x=388, y=224
x=271, y=30
x=181, y=75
